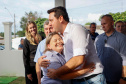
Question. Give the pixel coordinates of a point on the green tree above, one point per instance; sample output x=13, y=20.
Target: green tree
x=39, y=22
x=23, y=23
x=20, y=33
x=88, y=23
x=100, y=17
x=2, y=34
x=12, y=33
x=117, y=16
x=32, y=16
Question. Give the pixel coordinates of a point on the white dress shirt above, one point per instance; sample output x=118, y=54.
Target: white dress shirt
x=77, y=42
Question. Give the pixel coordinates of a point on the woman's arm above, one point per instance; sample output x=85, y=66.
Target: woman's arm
x=26, y=59
x=76, y=73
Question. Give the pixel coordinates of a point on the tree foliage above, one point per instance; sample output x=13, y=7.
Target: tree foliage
x=88, y=23
x=20, y=33
x=117, y=16
x=39, y=22
x=2, y=34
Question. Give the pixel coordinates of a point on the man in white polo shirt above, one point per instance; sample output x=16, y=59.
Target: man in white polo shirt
x=78, y=47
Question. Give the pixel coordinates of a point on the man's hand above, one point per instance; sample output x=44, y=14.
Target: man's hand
x=51, y=73
x=121, y=81
x=89, y=68
x=43, y=62
x=29, y=76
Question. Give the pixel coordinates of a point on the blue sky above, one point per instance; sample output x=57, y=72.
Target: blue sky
x=80, y=11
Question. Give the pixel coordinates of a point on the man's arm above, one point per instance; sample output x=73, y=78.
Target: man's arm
x=121, y=81
x=19, y=48
x=38, y=69
x=124, y=71
x=84, y=70
x=43, y=62
x=38, y=72
x=73, y=63
x=123, y=55
x=38, y=55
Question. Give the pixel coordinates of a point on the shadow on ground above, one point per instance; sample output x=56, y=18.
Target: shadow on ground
x=20, y=80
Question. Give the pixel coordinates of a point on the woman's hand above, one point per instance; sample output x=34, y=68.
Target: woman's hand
x=29, y=76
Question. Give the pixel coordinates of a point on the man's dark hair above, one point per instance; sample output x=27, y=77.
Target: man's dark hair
x=118, y=22
x=58, y=12
x=107, y=15
x=21, y=39
x=93, y=23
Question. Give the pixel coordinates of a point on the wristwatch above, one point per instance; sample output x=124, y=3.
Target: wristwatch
x=124, y=78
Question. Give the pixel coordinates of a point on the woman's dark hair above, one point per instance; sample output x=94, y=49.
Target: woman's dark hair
x=118, y=22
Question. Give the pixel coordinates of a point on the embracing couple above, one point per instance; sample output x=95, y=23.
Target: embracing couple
x=69, y=54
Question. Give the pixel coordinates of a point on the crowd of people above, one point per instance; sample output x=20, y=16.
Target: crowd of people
x=71, y=54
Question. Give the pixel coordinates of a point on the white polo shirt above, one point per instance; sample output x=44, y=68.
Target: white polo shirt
x=77, y=42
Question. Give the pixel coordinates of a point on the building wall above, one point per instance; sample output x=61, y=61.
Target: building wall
x=98, y=28
x=11, y=63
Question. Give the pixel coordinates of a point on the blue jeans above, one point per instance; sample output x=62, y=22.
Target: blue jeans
x=99, y=79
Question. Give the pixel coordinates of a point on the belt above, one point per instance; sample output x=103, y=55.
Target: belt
x=85, y=78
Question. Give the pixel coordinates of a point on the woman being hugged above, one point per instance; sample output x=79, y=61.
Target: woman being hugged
x=53, y=52
x=29, y=50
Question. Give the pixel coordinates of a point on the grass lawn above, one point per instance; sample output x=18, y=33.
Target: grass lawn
x=12, y=80
x=19, y=80
x=7, y=79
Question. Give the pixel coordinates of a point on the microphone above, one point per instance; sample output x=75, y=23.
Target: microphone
x=105, y=41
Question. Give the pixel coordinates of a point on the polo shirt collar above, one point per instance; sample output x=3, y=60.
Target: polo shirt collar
x=56, y=53
x=44, y=39
x=111, y=34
